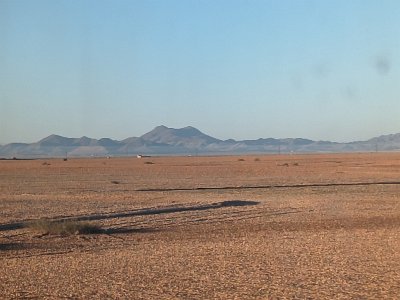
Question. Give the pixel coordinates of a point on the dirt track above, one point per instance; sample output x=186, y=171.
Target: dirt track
x=299, y=226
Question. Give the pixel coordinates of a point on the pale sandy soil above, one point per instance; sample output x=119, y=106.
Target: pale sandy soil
x=268, y=227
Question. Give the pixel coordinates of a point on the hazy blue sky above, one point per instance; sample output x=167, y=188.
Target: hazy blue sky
x=324, y=69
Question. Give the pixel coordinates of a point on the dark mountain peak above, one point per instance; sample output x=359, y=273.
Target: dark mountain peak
x=189, y=128
x=85, y=141
x=107, y=142
x=188, y=131
x=160, y=128
x=55, y=140
x=186, y=137
x=157, y=131
x=230, y=141
x=51, y=138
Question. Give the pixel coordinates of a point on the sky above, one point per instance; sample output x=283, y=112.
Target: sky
x=248, y=69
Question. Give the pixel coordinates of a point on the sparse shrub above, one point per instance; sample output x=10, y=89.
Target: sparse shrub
x=11, y=246
x=115, y=182
x=295, y=164
x=241, y=159
x=149, y=163
x=257, y=159
x=64, y=227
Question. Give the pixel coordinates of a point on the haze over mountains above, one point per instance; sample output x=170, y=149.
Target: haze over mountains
x=186, y=141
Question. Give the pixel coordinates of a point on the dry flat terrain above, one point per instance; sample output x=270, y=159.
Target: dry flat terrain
x=249, y=227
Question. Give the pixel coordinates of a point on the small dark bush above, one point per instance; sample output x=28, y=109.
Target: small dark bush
x=64, y=227
x=149, y=163
x=257, y=159
x=241, y=159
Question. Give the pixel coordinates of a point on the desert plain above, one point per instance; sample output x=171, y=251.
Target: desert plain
x=311, y=226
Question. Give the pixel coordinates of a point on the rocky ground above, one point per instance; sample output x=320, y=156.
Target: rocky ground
x=250, y=227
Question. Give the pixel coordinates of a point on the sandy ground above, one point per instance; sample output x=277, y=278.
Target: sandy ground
x=249, y=227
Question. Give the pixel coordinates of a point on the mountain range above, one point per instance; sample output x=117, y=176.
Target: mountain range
x=186, y=141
